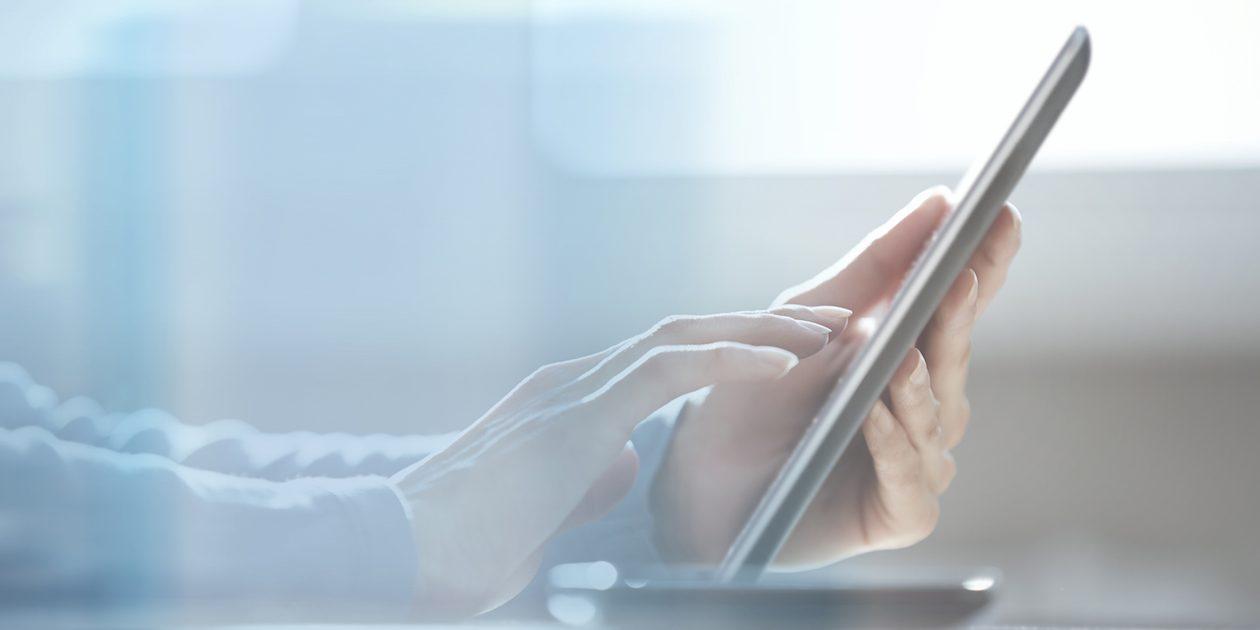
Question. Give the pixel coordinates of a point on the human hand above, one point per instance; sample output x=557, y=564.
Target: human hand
x=884, y=493
x=554, y=452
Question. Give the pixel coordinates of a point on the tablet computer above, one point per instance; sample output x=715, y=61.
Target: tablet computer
x=978, y=200
x=596, y=594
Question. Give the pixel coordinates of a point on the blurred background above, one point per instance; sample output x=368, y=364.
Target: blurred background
x=380, y=215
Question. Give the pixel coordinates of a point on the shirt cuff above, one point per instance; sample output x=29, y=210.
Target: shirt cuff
x=383, y=561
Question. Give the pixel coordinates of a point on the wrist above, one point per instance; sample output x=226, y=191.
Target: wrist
x=453, y=580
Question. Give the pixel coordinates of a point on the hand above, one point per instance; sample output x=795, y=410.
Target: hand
x=555, y=451
x=884, y=493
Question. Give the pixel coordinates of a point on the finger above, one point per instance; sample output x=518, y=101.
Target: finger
x=993, y=258
x=547, y=378
x=913, y=404
x=833, y=317
x=899, y=475
x=754, y=328
x=915, y=408
x=667, y=372
x=607, y=491
x=876, y=266
x=947, y=347
x=552, y=375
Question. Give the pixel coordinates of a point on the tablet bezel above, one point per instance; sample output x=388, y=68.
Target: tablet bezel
x=979, y=197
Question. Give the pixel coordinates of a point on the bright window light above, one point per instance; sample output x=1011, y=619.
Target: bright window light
x=640, y=87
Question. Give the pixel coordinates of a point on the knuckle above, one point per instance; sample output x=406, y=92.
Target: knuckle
x=721, y=354
x=783, y=309
x=915, y=395
x=954, y=320
x=655, y=364
x=964, y=356
x=778, y=322
x=960, y=412
x=635, y=346
x=543, y=373
x=936, y=434
x=546, y=376
x=924, y=526
x=706, y=362
x=777, y=318
x=990, y=257
x=672, y=326
x=964, y=410
x=552, y=370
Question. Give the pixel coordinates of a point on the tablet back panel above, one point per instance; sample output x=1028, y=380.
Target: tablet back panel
x=979, y=198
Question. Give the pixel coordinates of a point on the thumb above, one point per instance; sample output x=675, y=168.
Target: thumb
x=607, y=491
x=873, y=269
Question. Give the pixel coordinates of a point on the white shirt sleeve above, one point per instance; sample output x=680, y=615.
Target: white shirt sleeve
x=106, y=509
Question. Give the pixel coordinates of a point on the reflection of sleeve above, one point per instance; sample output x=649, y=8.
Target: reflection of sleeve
x=84, y=523
x=625, y=535
x=227, y=446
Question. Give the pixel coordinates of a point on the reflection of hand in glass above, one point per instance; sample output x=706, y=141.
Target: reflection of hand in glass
x=554, y=452
x=884, y=494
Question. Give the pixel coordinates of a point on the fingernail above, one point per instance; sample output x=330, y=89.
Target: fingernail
x=974, y=291
x=781, y=360
x=1015, y=214
x=817, y=329
x=832, y=313
x=919, y=376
